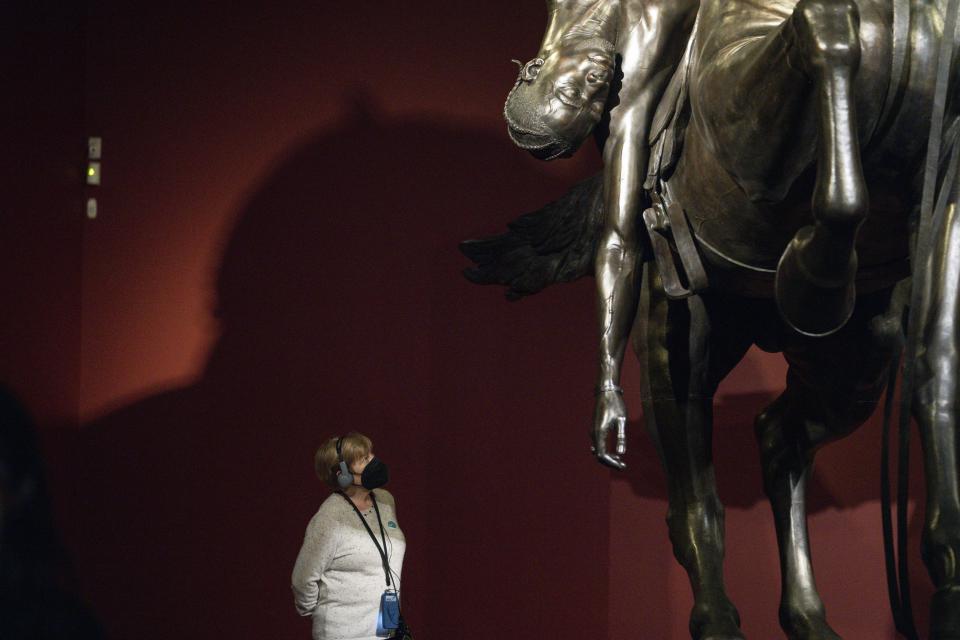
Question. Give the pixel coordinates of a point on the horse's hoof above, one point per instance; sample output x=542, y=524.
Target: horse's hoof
x=945, y=614
x=812, y=306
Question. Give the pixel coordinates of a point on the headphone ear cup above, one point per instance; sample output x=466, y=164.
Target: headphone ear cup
x=344, y=478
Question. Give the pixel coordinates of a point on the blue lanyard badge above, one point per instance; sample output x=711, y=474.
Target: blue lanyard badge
x=389, y=617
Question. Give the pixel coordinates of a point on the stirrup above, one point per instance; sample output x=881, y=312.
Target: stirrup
x=666, y=223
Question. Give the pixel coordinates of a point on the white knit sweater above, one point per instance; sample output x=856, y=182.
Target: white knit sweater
x=338, y=577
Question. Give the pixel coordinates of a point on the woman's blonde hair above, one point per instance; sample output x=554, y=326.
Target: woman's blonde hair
x=354, y=446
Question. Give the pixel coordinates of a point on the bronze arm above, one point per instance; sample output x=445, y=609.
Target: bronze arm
x=650, y=51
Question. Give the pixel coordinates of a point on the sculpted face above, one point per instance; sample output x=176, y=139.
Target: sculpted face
x=558, y=99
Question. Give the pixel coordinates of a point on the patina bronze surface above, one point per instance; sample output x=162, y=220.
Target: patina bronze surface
x=765, y=182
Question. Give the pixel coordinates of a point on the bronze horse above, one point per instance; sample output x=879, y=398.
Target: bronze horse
x=767, y=180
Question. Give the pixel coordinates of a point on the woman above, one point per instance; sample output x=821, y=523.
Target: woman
x=347, y=576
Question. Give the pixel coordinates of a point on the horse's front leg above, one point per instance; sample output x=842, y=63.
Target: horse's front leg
x=832, y=387
x=935, y=408
x=815, y=278
x=682, y=359
x=770, y=108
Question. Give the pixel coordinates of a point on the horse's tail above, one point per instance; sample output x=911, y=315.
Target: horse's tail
x=558, y=243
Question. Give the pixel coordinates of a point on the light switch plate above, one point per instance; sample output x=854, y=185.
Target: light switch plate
x=94, y=148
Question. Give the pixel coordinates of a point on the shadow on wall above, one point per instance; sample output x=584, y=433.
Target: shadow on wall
x=341, y=308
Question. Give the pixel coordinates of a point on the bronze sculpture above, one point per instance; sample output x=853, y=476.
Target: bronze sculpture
x=767, y=174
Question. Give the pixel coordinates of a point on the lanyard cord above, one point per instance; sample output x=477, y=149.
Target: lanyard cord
x=381, y=550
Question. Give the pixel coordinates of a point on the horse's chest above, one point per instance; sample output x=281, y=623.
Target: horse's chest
x=892, y=100
x=741, y=241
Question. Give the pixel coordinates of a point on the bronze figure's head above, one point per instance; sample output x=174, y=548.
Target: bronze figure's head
x=558, y=98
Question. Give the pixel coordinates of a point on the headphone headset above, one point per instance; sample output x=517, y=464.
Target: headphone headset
x=344, y=475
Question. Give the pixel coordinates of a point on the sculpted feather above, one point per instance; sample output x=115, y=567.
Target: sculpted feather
x=557, y=243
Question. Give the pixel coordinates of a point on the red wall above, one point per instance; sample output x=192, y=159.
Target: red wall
x=41, y=211
x=275, y=262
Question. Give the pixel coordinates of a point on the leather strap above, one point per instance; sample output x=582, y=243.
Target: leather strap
x=381, y=550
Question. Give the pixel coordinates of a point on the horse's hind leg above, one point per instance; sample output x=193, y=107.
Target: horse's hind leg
x=682, y=359
x=832, y=387
x=793, y=103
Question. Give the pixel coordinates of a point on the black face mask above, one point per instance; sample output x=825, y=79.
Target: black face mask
x=374, y=475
